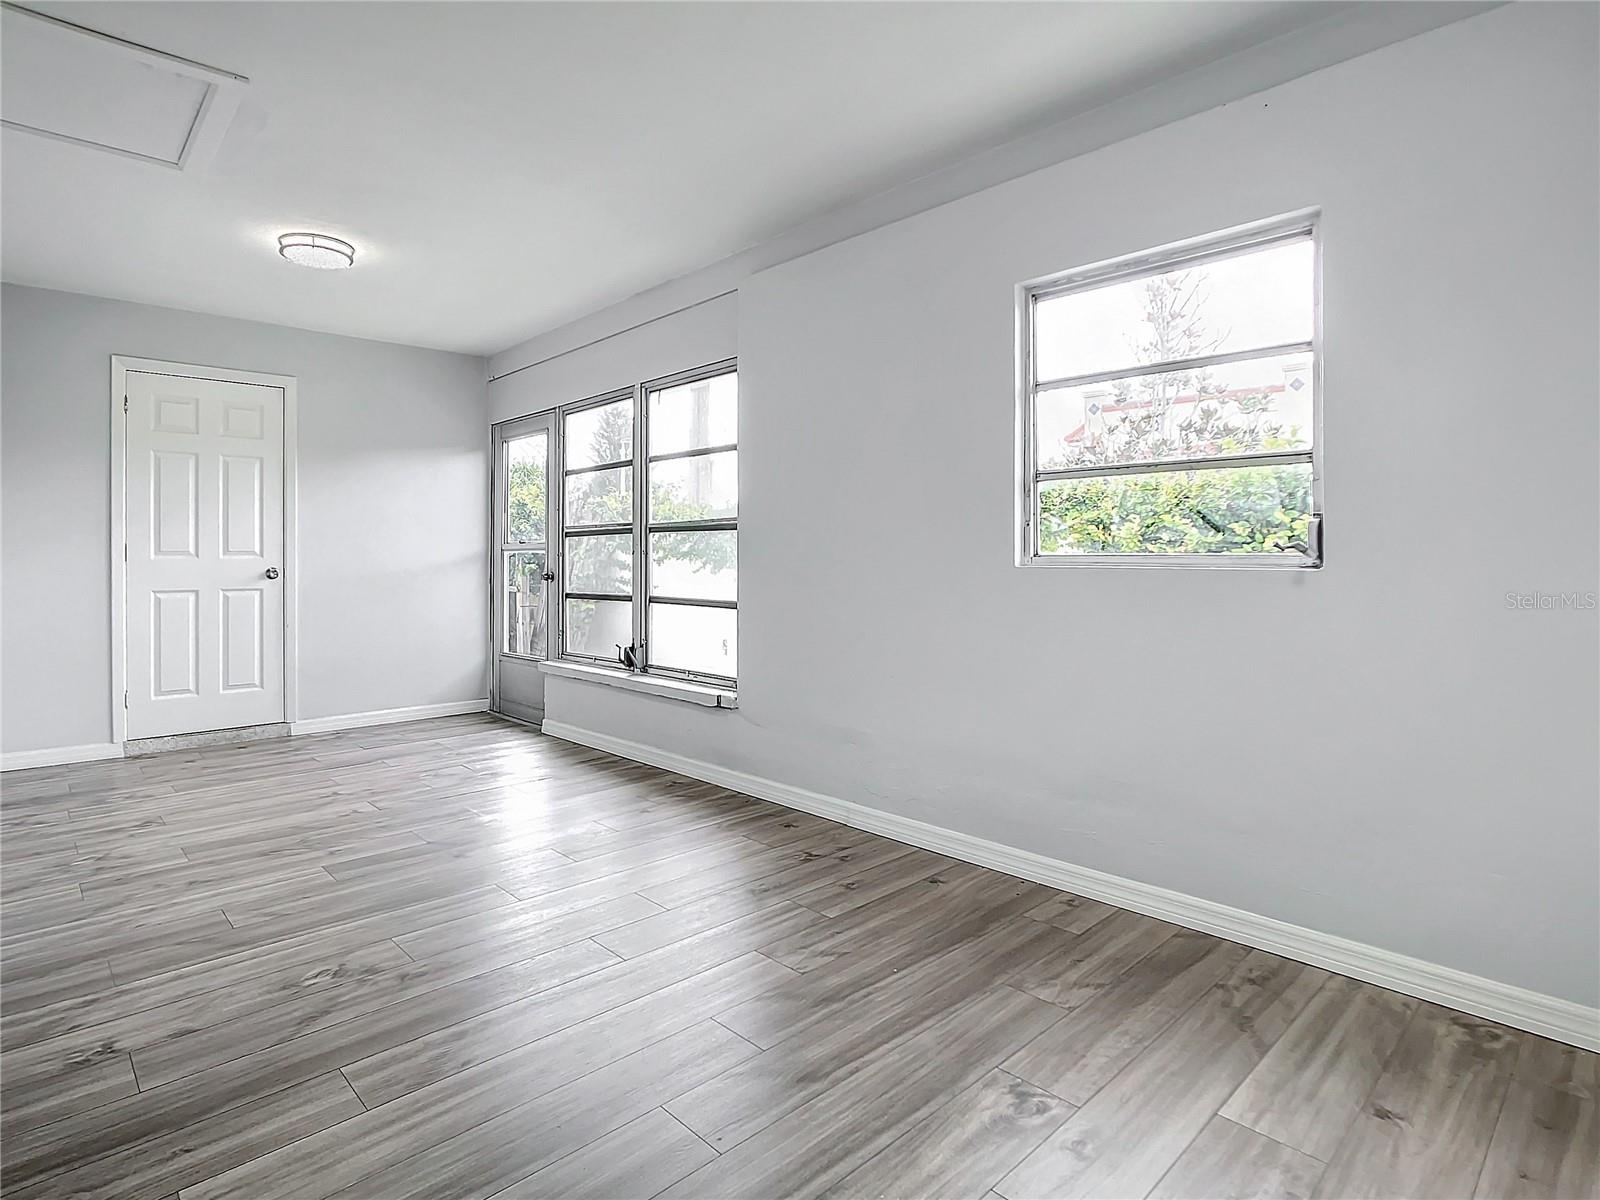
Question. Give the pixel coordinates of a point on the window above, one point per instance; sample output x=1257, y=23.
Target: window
x=692, y=562
x=524, y=550
x=650, y=573
x=597, y=527
x=1170, y=407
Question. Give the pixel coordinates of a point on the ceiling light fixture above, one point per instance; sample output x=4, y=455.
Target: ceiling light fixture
x=317, y=250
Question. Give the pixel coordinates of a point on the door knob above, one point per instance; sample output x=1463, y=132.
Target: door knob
x=272, y=572
x=548, y=577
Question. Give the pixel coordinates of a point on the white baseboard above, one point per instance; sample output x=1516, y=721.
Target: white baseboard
x=1548, y=1016
x=388, y=716
x=534, y=725
x=55, y=756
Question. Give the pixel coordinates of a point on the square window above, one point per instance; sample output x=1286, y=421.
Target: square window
x=1171, y=407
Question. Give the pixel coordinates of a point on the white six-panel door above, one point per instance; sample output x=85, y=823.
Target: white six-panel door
x=204, y=616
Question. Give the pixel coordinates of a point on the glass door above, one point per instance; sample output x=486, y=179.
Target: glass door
x=524, y=573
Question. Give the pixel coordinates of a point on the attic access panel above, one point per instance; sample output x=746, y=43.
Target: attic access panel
x=62, y=81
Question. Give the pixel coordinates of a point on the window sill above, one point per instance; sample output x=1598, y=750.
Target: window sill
x=702, y=694
x=1228, y=562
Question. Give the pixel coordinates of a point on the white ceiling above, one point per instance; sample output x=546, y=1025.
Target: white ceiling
x=506, y=167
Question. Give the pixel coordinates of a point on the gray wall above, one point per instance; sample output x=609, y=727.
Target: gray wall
x=1384, y=750
x=393, y=487
x=704, y=333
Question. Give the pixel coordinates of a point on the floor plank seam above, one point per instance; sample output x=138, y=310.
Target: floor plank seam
x=1268, y=1136
x=365, y=1107
x=758, y=1050
x=61, y=1168
x=1014, y=1163
x=1499, y=1115
x=663, y=1109
x=1366, y=1099
x=1216, y=1115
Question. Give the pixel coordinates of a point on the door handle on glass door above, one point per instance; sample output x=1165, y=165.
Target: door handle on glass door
x=272, y=572
x=548, y=577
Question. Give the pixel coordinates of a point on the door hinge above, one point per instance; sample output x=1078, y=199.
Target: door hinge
x=124, y=699
x=124, y=404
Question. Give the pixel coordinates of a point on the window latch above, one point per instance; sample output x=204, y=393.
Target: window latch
x=1311, y=548
x=628, y=656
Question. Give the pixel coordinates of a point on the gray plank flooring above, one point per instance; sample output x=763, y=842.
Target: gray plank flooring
x=458, y=959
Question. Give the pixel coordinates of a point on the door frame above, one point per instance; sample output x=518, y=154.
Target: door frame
x=497, y=516
x=121, y=364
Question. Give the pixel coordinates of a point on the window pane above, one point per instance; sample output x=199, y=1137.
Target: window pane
x=526, y=618
x=1241, y=303
x=695, y=489
x=692, y=415
x=599, y=435
x=1234, y=510
x=598, y=627
x=1237, y=408
x=695, y=566
x=601, y=564
x=600, y=498
x=526, y=495
x=703, y=640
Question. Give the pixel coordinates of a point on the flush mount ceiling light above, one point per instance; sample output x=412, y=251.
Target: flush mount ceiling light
x=317, y=250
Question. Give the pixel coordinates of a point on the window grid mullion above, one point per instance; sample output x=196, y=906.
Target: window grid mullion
x=696, y=452
x=690, y=602
x=1261, y=458
x=590, y=470
x=610, y=529
x=1031, y=542
x=709, y=525
x=641, y=515
x=1172, y=366
x=555, y=531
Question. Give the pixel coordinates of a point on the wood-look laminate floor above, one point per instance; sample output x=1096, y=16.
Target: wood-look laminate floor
x=459, y=959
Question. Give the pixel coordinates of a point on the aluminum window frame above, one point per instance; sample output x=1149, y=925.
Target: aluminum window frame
x=640, y=526
x=501, y=437
x=1233, y=243
x=606, y=529
x=647, y=527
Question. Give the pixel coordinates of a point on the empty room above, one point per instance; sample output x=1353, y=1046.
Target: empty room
x=815, y=599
